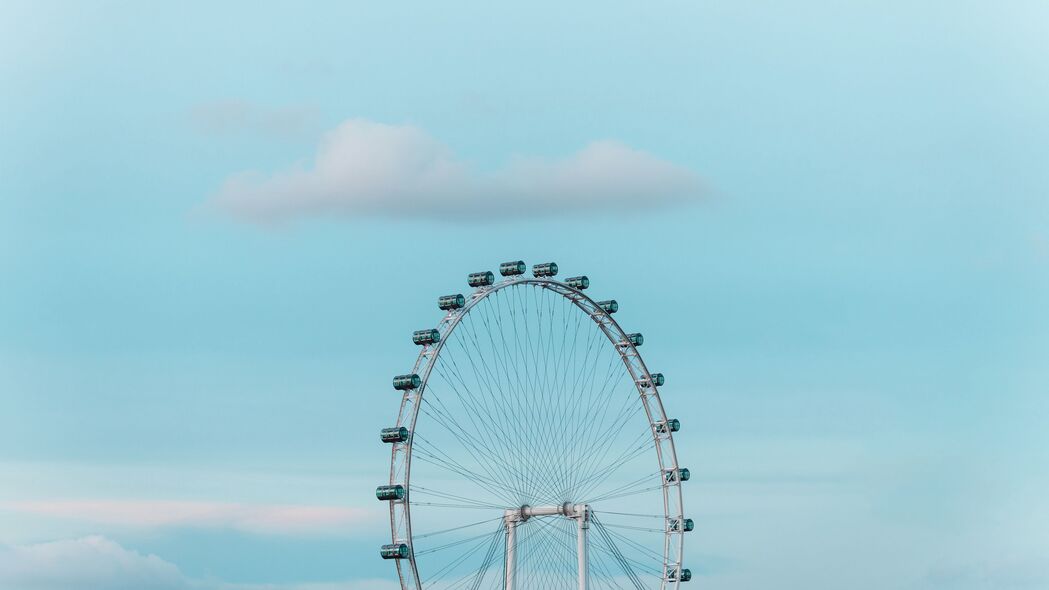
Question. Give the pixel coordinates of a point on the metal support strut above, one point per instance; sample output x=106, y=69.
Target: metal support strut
x=514, y=517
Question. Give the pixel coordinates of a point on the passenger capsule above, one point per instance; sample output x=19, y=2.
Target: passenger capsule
x=682, y=526
x=636, y=339
x=610, y=306
x=394, y=551
x=509, y=269
x=673, y=475
x=671, y=425
x=394, y=434
x=423, y=337
x=481, y=279
x=686, y=574
x=578, y=282
x=656, y=379
x=546, y=269
x=406, y=382
x=447, y=302
x=390, y=492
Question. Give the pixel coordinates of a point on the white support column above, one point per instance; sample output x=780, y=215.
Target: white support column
x=583, y=518
x=514, y=517
x=511, y=519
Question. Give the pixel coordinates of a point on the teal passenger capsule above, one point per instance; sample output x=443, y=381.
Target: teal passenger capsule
x=546, y=269
x=636, y=339
x=480, y=279
x=394, y=434
x=655, y=379
x=673, y=475
x=405, y=382
x=610, y=306
x=390, y=492
x=447, y=302
x=578, y=282
x=394, y=551
x=509, y=269
x=671, y=425
x=423, y=337
x=682, y=526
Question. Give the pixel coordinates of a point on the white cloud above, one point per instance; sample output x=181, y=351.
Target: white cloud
x=367, y=168
x=91, y=562
x=97, y=563
x=289, y=519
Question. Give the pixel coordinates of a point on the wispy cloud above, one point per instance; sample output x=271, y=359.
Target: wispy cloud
x=99, y=563
x=286, y=519
x=365, y=168
x=237, y=117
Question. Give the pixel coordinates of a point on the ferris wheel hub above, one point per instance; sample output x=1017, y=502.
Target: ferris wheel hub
x=568, y=509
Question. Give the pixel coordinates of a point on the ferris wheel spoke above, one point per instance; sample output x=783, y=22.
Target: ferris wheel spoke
x=581, y=391
x=595, y=452
x=639, y=482
x=565, y=540
x=496, y=465
x=476, y=452
x=436, y=409
x=564, y=431
x=593, y=468
x=618, y=567
x=577, y=400
x=534, y=413
x=473, y=580
x=557, y=391
x=520, y=381
x=528, y=410
x=604, y=473
x=488, y=419
x=624, y=563
x=473, y=544
x=475, y=478
x=457, y=528
x=450, y=496
x=489, y=424
x=624, y=494
x=450, y=505
x=632, y=543
x=520, y=405
x=590, y=439
x=530, y=395
x=591, y=475
x=479, y=402
x=440, y=455
x=555, y=416
x=462, y=501
x=633, y=514
x=528, y=360
x=453, y=544
x=651, y=555
x=504, y=426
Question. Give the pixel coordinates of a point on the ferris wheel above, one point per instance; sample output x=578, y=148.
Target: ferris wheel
x=532, y=449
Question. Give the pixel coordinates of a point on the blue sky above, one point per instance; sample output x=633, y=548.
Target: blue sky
x=851, y=314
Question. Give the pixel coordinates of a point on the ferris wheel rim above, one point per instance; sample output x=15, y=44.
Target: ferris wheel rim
x=618, y=338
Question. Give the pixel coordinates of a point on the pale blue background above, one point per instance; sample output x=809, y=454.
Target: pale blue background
x=853, y=322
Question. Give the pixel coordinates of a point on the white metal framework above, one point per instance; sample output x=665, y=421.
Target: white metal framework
x=513, y=517
x=524, y=433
